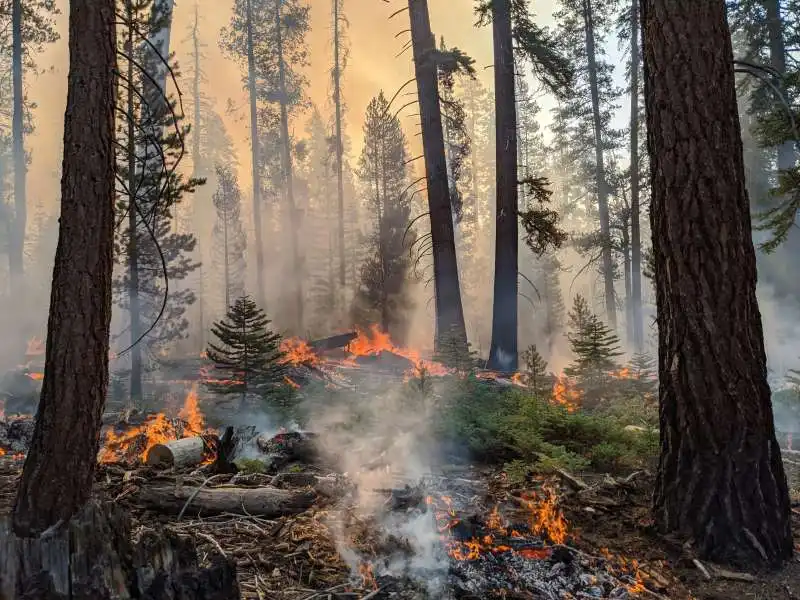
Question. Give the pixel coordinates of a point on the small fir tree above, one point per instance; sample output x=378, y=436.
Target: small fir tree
x=595, y=348
x=247, y=356
x=534, y=374
x=643, y=374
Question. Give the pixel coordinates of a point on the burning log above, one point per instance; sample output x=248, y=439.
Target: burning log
x=266, y=502
x=185, y=452
x=93, y=556
x=333, y=342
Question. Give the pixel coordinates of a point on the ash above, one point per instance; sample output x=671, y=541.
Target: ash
x=417, y=561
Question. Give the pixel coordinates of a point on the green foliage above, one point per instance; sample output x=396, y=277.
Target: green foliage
x=534, y=373
x=383, y=295
x=643, y=374
x=230, y=241
x=247, y=356
x=540, y=223
x=250, y=466
x=510, y=425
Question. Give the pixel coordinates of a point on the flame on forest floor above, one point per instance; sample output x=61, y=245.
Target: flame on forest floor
x=544, y=519
x=623, y=373
x=377, y=341
x=291, y=382
x=35, y=375
x=367, y=576
x=35, y=347
x=566, y=394
x=297, y=352
x=626, y=570
x=136, y=441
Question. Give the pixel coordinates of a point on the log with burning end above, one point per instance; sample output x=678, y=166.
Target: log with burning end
x=333, y=342
x=185, y=452
x=266, y=502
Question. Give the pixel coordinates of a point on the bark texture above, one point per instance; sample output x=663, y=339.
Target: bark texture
x=57, y=482
x=721, y=480
x=262, y=501
x=449, y=310
x=503, y=354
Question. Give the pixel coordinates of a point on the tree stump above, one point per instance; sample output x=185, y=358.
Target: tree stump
x=184, y=452
x=94, y=557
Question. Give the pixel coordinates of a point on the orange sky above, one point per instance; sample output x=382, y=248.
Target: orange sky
x=372, y=66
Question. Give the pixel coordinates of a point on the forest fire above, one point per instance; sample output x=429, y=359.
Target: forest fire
x=134, y=443
x=298, y=352
x=376, y=341
x=565, y=394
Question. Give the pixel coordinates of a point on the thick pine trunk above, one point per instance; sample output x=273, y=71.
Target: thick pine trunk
x=503, y=355
x=720, y=479
x=255, y=156
x=449, y=310
x=636, y=231
x=288, y=178
x=600, y=169
x=17, y=246
x=57, y=477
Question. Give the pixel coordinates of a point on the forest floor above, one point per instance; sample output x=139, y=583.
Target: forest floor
x=301, y=557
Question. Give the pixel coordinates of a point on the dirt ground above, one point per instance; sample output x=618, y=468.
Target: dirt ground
x=610, y=518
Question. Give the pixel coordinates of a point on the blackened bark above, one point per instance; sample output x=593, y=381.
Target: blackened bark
x=777, y=55
x=636, y=231
x=449, y=310
x=17, y=246
x=57, y=477
x=288, y=177
x=720, y=478
x=600, y=170
x=256, y=159
x=503, y=353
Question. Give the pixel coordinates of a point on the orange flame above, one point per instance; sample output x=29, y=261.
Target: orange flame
x=291, y=382
x=377, y=341
x=36, y=376
x=546, y=519
x=298, y=352
x=564, y=394
x=191, y=413
x=367, y=576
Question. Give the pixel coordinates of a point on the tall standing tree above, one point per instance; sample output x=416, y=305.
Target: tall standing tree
x=383, y=295
x=447, y=293
x=229, y=238
x=20, y=196
x=56, y=483
x=721, y=479
x=339, y=62
x=636, y=232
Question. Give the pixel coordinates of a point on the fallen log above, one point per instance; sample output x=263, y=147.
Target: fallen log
x=185, y=452
x=333, y=342
x=93, y=556
x=263, y=502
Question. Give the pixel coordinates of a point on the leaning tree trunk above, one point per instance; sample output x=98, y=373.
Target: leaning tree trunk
x=720, y=478
x=258, y=225
x=600, y=170
x=447, y=290
x=636, y=231
x=503, y=352
x=17, y=245
x=58, y=472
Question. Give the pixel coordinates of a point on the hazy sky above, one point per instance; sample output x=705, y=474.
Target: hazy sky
x=373, y=65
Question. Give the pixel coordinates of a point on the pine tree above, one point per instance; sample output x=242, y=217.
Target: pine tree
x=549, y=282
x=149, y=193
x=246, y=356
x=534, y=373
x=643, y=374
x=383, y=295
x=230, y=241
x=595, y=349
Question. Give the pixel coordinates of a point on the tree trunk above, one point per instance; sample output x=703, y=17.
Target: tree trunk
x=196, y=217
x=263, y=501
x=720, y=478
x=135, y=388
x=258, y=225
x=600, y=170
x=503, y=353
x=56, y=483
x=449, y=310
x=288, y=177
x=337, y=101
x=636, y=232
x=777, y=55
x=17, y=246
